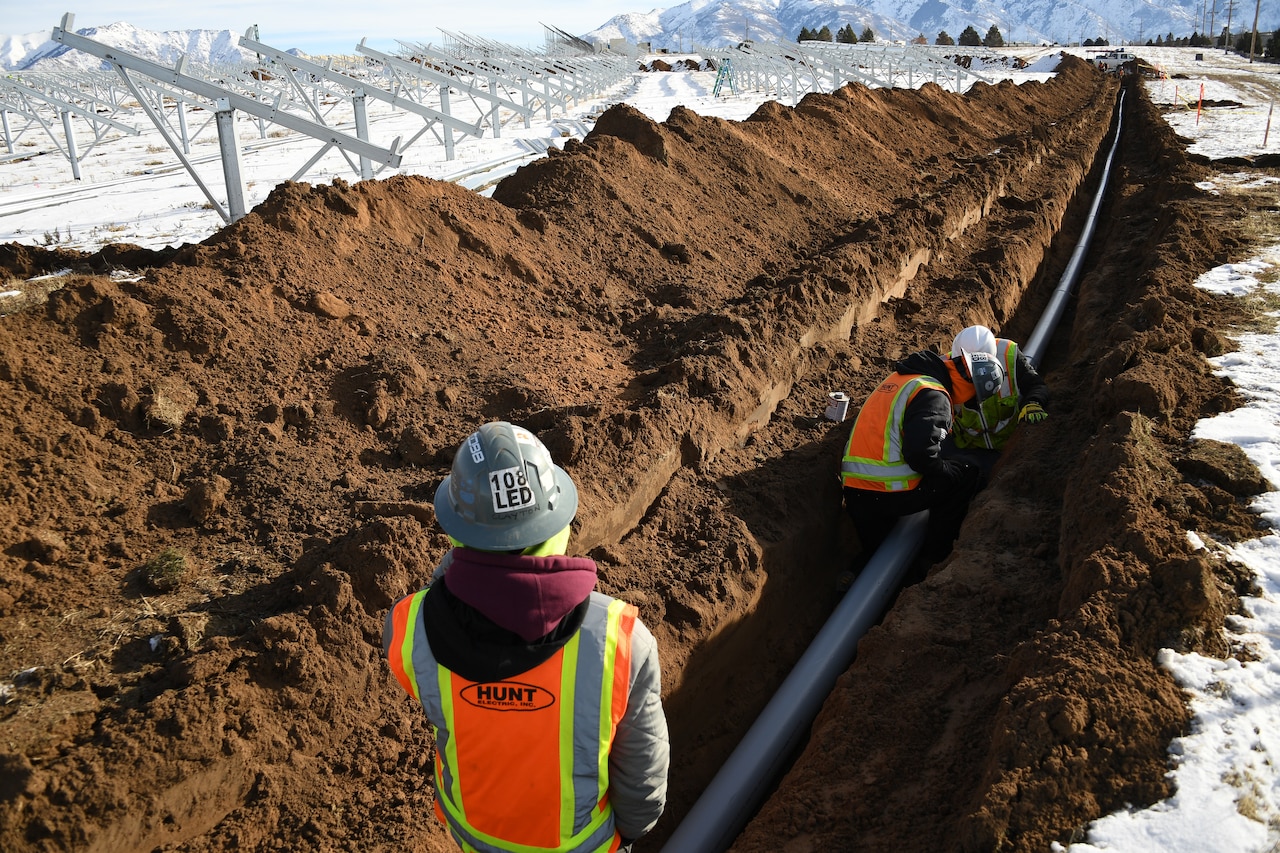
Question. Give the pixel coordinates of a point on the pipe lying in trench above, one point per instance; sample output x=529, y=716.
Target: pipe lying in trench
x=742, y=783
x=1039, y=340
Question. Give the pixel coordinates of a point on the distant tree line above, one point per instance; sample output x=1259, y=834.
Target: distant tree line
x=1267, y=45
x=844, y=35
x=970, y=38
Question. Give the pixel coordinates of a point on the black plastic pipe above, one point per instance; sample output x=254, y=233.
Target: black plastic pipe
x=1039, y=340
x=744, y=781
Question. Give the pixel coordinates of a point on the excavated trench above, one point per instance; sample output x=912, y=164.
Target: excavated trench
x=980, y=212
x=667, y=305
x=989, y=248
x=1012, y=696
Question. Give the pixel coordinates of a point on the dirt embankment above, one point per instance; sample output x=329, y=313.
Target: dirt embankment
x=667, y=305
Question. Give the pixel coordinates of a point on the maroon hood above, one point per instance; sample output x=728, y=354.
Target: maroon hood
x=526, y=595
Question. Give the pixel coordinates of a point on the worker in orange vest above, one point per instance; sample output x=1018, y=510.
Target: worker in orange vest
x=544, y=695
x=893, y=464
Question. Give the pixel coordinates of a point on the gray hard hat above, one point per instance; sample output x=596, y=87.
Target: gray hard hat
x=504, y=493
x=985, y=372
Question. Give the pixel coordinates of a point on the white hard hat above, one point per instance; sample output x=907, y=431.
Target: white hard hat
x=974, y=339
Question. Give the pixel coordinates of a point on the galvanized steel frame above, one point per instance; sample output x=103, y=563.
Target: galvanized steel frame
x=224, y=102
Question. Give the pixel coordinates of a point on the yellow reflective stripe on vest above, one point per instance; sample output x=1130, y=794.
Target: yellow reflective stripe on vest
x=405, y=618
x=568, y=686
x=444, y=692
x=613, y=634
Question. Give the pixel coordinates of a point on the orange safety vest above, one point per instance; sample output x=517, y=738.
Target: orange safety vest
x=522, y=765
x=873, y=457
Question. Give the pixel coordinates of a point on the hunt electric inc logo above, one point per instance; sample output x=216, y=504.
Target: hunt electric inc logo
x=508, y=696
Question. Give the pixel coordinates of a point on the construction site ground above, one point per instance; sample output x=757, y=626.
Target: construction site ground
x=217, y=464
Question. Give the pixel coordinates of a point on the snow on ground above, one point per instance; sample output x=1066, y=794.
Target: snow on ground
x=134, y=189
x=1239, y=97
x=1226, y=770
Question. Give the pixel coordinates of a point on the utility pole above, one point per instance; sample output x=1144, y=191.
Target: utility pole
x=1253, y=42
x=1213, y=22
x=1226, y=45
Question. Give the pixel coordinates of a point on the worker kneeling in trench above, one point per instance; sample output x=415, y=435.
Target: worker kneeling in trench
x=928, y=437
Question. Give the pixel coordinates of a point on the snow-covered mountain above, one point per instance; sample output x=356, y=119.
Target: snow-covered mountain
x=207, y=47
x=15, y=49
x=716, y=23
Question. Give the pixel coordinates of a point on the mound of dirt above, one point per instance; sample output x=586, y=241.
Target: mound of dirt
x=218, y=472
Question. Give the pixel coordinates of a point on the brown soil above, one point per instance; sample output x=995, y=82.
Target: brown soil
x=667, y=306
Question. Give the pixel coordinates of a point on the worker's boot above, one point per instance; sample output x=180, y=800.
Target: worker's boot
x=845, y=579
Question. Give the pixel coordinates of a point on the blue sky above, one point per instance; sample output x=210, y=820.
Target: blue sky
x=327, y=26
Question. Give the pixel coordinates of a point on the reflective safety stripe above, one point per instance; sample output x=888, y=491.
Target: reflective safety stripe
x=522, y=764
x=873, y=455
x=994, y=425
x=614, y=844
x=400, y=654
x=616, y=688
x=877, y=471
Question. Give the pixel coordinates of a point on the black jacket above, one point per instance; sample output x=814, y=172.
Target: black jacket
x=927, y=421
x=1031, y=387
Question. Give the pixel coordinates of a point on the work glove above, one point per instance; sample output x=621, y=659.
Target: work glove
x=953, y=475
x=972, y=480
x=1032, y=413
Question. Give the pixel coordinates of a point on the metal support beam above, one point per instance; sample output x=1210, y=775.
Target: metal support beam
x=160, y=125
x=72, y=155
x=123, y=60
x=39, y=103
x=230, y=158
x=181, y=108
x=444, y=81
x=352, y=85
x=362, y=130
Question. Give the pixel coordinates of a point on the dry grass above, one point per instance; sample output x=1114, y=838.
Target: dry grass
x=165, y=571
x=1261, y=308
x=1259, y=201
x=19, y=295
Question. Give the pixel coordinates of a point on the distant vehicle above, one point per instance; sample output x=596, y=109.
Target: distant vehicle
x=1113, y=61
